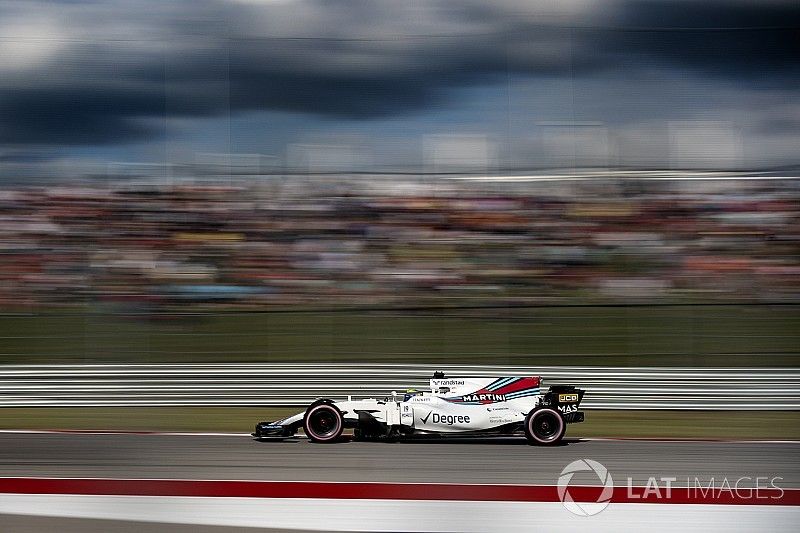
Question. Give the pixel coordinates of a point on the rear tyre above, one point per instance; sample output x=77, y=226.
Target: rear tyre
x=323, y=422
x=544, y=427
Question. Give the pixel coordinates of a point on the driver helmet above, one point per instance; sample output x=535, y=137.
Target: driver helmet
x=410, y=393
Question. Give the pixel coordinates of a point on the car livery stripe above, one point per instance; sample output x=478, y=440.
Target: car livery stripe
x=499, y=390
x=470, y=401
x=500, y=383
x=518, y=384
x=522, y=393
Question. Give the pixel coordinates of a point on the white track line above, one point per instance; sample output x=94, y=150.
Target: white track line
x=403, y=515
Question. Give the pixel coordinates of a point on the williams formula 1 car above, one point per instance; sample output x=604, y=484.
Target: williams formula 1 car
x=453, y=406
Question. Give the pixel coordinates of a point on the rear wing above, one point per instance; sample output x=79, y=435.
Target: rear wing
x=564, y=398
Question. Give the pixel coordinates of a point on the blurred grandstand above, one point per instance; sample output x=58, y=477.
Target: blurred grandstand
x=328, y=241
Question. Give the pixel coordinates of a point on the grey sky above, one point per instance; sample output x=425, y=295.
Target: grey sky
x=546, y=83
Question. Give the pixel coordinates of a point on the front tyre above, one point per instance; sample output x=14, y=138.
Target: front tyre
x=544, y=427
x=323, y=422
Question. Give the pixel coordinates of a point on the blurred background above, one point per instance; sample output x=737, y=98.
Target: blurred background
x=213, y=212
x=560, y=182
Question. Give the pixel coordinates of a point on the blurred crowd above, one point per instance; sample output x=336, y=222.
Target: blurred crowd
x=397, y=241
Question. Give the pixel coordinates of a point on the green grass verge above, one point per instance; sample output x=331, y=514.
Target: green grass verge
x=599, y=423
x=724, y=335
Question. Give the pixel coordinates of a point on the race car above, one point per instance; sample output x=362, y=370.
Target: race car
x=453, y=406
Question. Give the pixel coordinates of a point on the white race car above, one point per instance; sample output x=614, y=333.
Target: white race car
x=453, y=406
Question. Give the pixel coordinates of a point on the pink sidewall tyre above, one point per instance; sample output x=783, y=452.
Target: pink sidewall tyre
x=545, y=427
x=323, y=423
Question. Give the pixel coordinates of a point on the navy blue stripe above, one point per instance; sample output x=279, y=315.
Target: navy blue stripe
x=501, y=383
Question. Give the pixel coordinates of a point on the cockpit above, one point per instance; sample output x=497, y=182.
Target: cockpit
x=410, y=393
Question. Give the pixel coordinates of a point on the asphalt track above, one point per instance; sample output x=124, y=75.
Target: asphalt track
x=452, y=461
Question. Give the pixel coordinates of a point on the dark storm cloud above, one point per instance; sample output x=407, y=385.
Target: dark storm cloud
x=107, y=72
x=75, y=116
x=735, y=39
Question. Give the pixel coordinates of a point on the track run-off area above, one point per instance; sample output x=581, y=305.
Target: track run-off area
x=422, y=485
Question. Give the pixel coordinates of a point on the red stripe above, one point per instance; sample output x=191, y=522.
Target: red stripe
x=389, y=491
x=519, y=385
